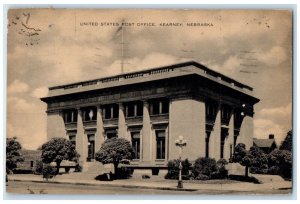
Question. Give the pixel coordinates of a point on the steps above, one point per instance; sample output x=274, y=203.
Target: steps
x=92, y=169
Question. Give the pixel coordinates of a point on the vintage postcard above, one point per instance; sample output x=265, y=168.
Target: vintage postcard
x=149, y=101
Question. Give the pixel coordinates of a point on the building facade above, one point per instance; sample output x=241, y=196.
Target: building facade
x=151, y=109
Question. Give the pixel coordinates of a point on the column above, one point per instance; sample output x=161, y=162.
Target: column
x=229, y=139
x=122, y=129
x=81, y=138
x=215, y=138
x=146, y=135
x=187, y=119
x=55, y=125
x=99, y=136
x=246, y=132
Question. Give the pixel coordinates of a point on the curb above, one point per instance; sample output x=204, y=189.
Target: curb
x=111, y=185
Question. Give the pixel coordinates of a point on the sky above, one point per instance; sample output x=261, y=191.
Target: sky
x=48, y=47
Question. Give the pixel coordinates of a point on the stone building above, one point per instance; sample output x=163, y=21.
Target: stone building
x=152, y=108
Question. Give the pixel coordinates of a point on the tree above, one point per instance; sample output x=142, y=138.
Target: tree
x=13, y=153
x=58, y=149
x=260, y=160
x=282, y=160
x=242, y=156
x=113, y=151
x=287, y=144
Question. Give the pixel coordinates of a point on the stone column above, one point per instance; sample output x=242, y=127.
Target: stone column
x=122, y=129
x=215, y=138
x=229, y=139
x=81, y=138
x=246, y=132
x=187, y=119
x=55, y=125
x=146, y=135
x=99, y=136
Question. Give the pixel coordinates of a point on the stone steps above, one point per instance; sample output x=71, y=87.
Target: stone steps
x=92, y=168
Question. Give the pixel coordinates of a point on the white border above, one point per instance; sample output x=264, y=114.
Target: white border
x=212, y=4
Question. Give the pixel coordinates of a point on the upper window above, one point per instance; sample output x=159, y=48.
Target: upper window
x=70, y=116
x=134, y=109
x=89, y=114
x=110, y=111
x=159, y=106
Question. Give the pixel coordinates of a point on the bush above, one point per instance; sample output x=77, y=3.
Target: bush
x=244, y=178
x=204, y=166
x=78, y=168
x=173, y=169
x=222, y=172
x=38, y=169
x=257, y=170
x=48, y=171
x=201, y=177
x=123, y=173
x=282, y=159
x=274, y=170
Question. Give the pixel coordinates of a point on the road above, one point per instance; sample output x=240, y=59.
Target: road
x=20, y=187
x=52, y=188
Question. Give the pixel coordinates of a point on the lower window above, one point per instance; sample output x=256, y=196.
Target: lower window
x=135, y=140
x=160, y=144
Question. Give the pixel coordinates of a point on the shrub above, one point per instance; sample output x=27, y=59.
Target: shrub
x=282, y=159
x=201, y=177
x=48, y=171
x=204, y=166
x=244, y=178
x=123, y=173
x=222, y=172
x=274, y=170
x=78, y=168
x=38, y=169
x=173, y=169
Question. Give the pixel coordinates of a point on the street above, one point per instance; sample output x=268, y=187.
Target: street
x=21, y=187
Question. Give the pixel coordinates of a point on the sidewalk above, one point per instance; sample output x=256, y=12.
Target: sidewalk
x=265, y=188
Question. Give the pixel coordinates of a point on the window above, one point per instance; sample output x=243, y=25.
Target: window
x=91, y=146
x=70, y=116
x=89, y=114
x=110, y=133
x=160, y=144
x=134, y=109
x=135, y=139
x=111, y=111
x=159, y=106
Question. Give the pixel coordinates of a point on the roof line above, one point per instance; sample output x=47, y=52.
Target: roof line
x=177, y=65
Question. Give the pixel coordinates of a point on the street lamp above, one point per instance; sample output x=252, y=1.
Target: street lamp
x=180, y=143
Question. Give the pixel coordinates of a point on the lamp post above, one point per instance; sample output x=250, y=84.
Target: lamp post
x=180, y=142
